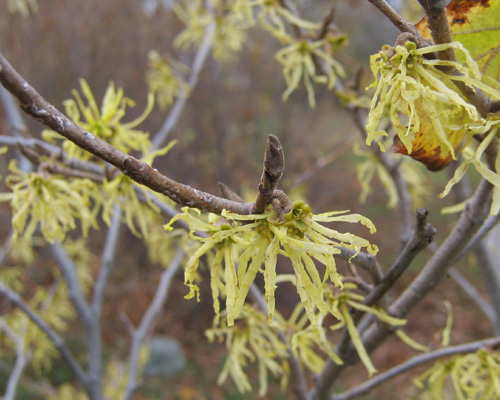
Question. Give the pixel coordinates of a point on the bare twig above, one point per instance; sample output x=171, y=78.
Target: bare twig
x=107, y=262
x=59, y=344
x=491, y=276
x=228, y=193
x=364, y=260
x=474, y=294
x=394, y=17
x=490, y=223
x=415, y=362
x=176, y=111
x=68, y=270
x=18, y=127
x=22, y=357
x=89, y=319
x=321, y=162
x=422, y=236
x=148, y=320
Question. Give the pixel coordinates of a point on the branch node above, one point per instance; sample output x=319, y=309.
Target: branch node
x=229, y=194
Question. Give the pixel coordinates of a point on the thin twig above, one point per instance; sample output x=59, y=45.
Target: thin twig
x=394, y=17
x=148, y=320
x=490, y=223
x=474, y=294
x=58, y=342
x=22, y=357
x=415, y=362
x=107, y=262
x=423, y=235
x=364, y=260
x=16, y=122
x=89, y=319
x=68, y=270
x=320, y=163
x=199, y=61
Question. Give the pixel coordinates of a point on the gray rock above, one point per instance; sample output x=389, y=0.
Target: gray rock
x=166, y=357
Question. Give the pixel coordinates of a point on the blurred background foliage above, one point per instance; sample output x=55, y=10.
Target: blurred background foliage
x=222, y=134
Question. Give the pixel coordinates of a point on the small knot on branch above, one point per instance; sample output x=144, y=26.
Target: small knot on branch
x=229, y=194
x=424, y=232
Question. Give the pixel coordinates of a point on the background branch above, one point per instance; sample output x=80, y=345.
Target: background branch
x=148, y=320
x=394, y=17
x=298, y=378
x=22, y=358
x=89, y=319
x=107, y=262
x=415, y=362
x=474, y=294
x=432, y=274
x=59, y=344
x=200, y=58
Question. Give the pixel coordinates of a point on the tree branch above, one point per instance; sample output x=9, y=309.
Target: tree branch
x=36, y=106
x=415, y=362
x=148, y=320
x=89, y=319
x=432, y=274
x=435, y=11
x=107, y=261
x=423, y=235
x=68, y=271
x=59, y=344
x=21, y=359
x=199, y=61
x=474, y=294
x=394, y=17
x=18, y=127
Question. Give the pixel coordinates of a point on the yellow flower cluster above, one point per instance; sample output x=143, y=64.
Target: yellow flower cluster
x=164, y=79
x=23, y=7
x=243, y=243
x=428, y=114
x=105, y=122
x=432, y=119
x=252, y=339
x=472, y=376
x=51, y=201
